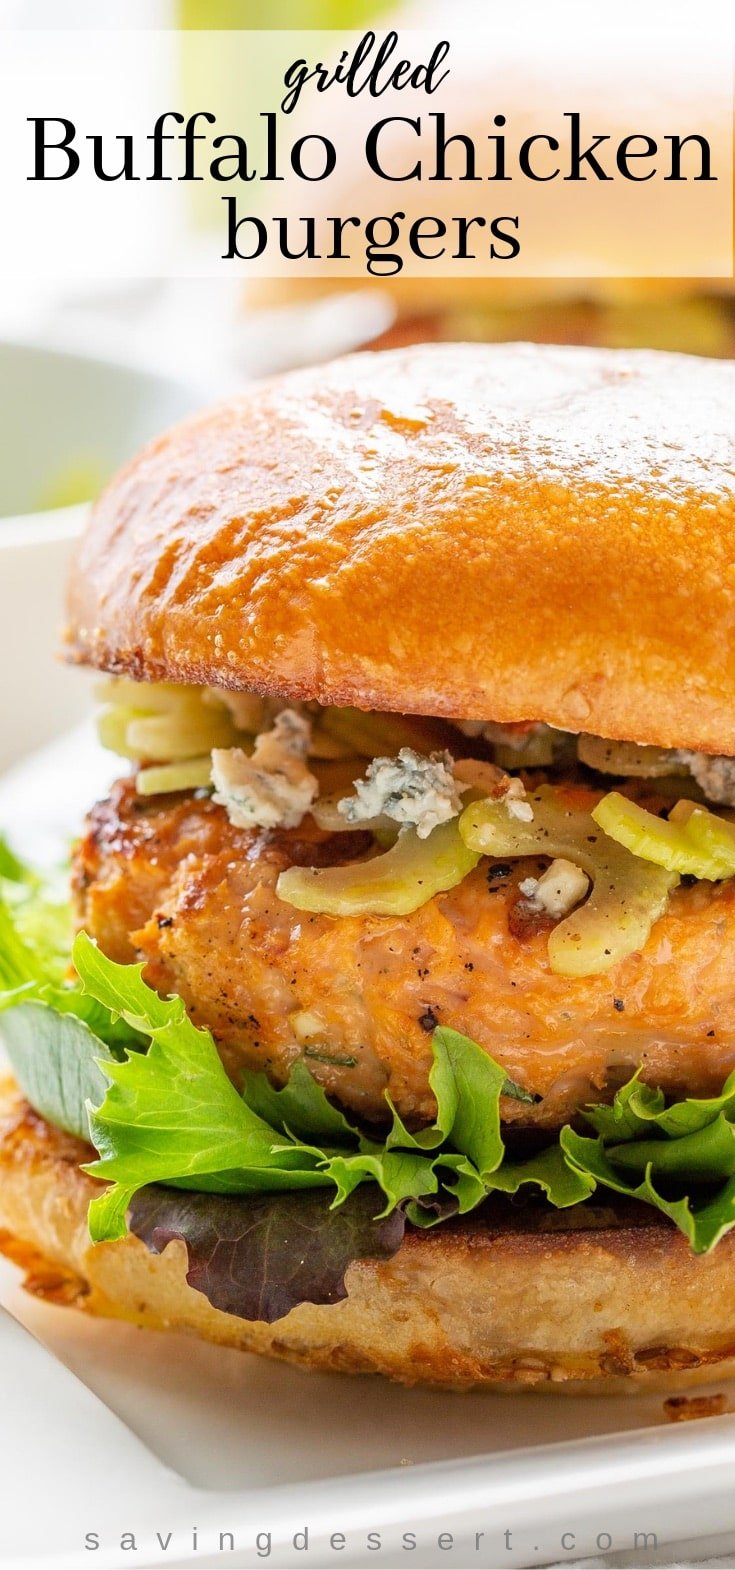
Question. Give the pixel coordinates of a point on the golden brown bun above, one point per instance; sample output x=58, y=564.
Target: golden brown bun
x=616, y=1302
x=509, y=532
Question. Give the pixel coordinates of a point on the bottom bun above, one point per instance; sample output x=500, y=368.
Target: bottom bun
x=596, y=1298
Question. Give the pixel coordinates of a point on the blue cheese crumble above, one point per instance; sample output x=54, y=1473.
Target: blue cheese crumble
x=273, y=787
x=421, y=791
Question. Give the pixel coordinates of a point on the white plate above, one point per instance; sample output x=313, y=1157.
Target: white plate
x=61, y=411
x=255, y=1448
x=195, y=1436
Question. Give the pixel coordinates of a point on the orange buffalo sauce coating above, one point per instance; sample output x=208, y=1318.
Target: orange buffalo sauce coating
x=175, y=883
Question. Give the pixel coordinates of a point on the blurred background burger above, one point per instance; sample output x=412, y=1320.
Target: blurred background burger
x=600, y=305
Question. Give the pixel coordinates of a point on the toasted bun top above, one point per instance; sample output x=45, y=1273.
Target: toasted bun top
x=510, y=532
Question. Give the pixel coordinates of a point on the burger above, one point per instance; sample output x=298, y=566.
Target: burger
x=615, y=299
x=287, y=321
x=392, y=1027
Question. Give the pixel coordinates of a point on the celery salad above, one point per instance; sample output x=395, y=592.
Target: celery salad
x=275, y=1191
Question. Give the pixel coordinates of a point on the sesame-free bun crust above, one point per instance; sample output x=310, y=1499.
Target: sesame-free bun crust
x=509, y=532
x=608, y=1300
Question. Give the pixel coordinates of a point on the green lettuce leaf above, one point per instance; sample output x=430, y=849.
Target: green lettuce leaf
x=172, y=1116
x=679, y=1158
x=35, y=953
x=12, y=869
x=35, y=925
x=402, y=1175
x=58, y=1063
x=18, y=965
x=300, y=1109
x=563, y=1183
x=703, y=1222
x=103, y=1056
x=639, y=1111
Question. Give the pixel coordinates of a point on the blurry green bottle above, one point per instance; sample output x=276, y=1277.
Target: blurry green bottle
x=238, y=82
x=211, y=14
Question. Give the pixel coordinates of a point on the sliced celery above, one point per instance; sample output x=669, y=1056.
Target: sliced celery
x=194, y=774
x=246, y=709
x=175, y=738
x=112, y=729
x=393, y=884
x=148, y=721
x=327, y=816
x=329, y=747
x=696, y=842
x=627, y=759
x=149, y=697
x=628, y=894
x=372, y=734
x=714, y=837
x=535, y=751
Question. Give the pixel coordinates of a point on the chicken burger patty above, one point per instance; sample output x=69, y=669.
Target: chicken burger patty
x=173, y=882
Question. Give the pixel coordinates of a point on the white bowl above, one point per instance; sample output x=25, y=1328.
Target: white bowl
x=60, y=412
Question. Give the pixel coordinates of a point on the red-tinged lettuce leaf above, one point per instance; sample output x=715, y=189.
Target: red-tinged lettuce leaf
x=259, y=1257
